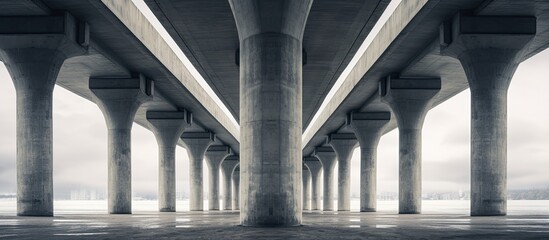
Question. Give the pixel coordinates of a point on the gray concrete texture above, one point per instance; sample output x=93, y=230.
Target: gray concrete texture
x=167, y=128
x=33, y=50
x=196, y=144
x=410, y=100
x=119, y=100
x=214, y=157
x=306, y=177
x=490, y=50
x=315, y=167
x=368, y=128
x=343, y=144
x=328, y=158
x=227, y=168
x=236, y=188
x=270, y=34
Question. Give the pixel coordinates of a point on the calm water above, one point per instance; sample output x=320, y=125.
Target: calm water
x=461, y=207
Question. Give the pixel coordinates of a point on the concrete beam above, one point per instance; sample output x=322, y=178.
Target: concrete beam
x=328, y=158
x=142, y=29
x=343, y=145
x=490, y=48
x=396, y=23
x=34, y=58
x=368, y=128
x=167, y=127
x=410, y=99
x=196, y=144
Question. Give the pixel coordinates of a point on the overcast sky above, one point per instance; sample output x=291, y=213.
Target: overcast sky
x=80, y=142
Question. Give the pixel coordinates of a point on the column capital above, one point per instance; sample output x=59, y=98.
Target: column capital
x=254, y=17
x=168, y=126
x=342, y=141
x=216, y=154
x=409, y=98
x=229, y=163
x=368, y=126
x=312, y=163
x=197, y=143
x=326, y=155
x=119, y=98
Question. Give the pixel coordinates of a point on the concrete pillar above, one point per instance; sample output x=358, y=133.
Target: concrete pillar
x=410, y=99
x=236, y=188
x=33, y=49
x=270, y=33
x=119, y=99
x=306, y=188
x=490, y=49
x=343, y=144
x=368, y=128
x=315, y=167
x=214, y=157
x=167, y=127
x=227, y=167
x=196, y=144
x=328, y=158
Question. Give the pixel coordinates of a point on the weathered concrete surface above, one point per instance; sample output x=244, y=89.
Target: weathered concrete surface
x=356, y=85
x=33, y=48
x=227, y=168
x=270, y=34
x=196, y=144
x=119, y=100
x=236, y=188
x=328, y=158
x=214, y=157
x=197, y=99
x=368, y=127
x=167, y=128
x=410, y=100
x=306, y=188
x=343, y=144
x=223, y=225
x=490, y=50
x=315, y=167
x=333, y=33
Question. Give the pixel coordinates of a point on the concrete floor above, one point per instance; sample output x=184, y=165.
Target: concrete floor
x=223, y=225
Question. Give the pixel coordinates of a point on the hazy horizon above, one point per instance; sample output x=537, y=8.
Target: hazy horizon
x=80, y=142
